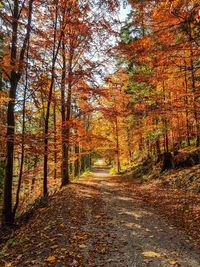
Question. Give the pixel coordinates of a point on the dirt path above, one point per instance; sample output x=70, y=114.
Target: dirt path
x=98, y=222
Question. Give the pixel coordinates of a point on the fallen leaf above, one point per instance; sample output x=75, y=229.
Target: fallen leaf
x=82, y=246
x=151, y=254
x=75, y=262
x=61, y=225
x=80, y=237
x=173, y=262
x=54, y=246
x=50, y=259
x=103, y=250
x=19, y=256
x=43, y=235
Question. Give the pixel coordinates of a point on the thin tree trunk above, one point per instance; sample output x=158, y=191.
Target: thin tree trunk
x=22, y=148
x=46, y=124
x=64, y=167
x=77, y=152
x=129, y=145
x=65, y=179
x=55, y=139
x=54, y=58
x=165, y=125
x=117, y=144
x=158, y=149
x=186, y=106
x=193, y=85
x=166, y=135
x=77, y=162
x=194, y=101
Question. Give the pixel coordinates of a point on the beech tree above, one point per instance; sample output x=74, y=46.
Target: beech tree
x=16, y=59
x=48, y=67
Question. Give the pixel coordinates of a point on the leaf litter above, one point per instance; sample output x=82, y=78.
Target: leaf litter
x=98, y=230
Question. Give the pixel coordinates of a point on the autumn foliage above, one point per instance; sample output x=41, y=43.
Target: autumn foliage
x=68, y=93
x=49, y=60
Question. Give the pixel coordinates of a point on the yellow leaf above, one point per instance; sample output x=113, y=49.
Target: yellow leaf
x=80, y=237
x=82, y=246
x=75, y=262
x=173, y=262
x=50, y=259
x=151, y=254
x=63, y=249
x=61, y=225
x=102, y=235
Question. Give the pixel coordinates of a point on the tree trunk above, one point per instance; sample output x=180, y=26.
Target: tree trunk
x=77, y=162
x=193, y=85
x=55, y=139
x=158, y=152
x=7, y=214
x=65, y=178
x=22, y=148
x=64, y=165
x=166, y=135
x=46, y=124
x=117, y=144
x=194, y=101
x=186, y=106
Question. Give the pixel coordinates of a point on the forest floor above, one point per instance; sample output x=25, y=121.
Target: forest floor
x=107, y=220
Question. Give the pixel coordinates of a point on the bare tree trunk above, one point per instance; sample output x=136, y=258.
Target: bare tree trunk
x=55, y=139
x=117, y=144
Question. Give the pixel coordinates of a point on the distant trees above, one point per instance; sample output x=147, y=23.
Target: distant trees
x=158, y=62
x=160, y=49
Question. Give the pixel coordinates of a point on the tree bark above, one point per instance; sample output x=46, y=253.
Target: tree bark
x=7, y=214
x=77, y=162
x=64, y=167
x=22, y=147
x=65, y=178
x=55, y=139
x=186, y=106
x=117, y=144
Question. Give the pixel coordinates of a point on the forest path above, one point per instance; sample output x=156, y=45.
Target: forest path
x=98, y=221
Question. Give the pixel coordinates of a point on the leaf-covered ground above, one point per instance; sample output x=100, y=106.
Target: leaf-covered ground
x=107, y=220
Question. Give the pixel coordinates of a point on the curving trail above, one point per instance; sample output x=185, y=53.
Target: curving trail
x=97, y=221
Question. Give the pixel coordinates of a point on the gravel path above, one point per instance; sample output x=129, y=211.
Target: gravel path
x=141, y=237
